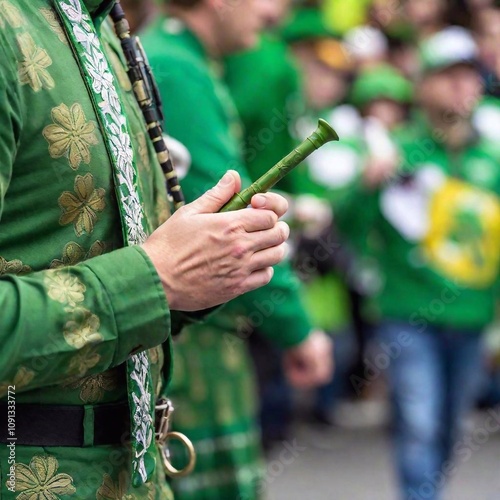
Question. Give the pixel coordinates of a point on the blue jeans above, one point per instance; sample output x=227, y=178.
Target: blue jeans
x=433, y=376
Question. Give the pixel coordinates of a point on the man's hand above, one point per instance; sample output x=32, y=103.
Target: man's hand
x=205, y=258
x=310, y=363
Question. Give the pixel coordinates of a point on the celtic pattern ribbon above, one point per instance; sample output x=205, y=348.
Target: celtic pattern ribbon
x=100, y=83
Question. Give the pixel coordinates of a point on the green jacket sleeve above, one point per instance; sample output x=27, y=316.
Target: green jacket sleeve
x=76, y=320
x=100, y=310
x=277, y=311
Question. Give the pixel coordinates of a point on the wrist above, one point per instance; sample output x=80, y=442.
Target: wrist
x=156, y=259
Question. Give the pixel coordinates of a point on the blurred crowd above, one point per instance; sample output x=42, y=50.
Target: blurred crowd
x=395, y=228
x=386, y=75
x=412, y=89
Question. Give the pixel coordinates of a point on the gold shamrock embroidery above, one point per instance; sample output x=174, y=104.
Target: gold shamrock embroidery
x=70, y=135
x=54, y=24
x=155, y=489
x=39, y=480
x=83, y=361
x=81, y=207
x=111, y=490
x=21, y=379
x=93, y=387
x=165, y=493
x=32, y=69
x=73, y=254
x=65, y=288
x=83, y=329
x=11, y=14
x=13, y=267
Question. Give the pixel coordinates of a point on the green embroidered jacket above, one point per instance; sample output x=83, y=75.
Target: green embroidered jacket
x=74, y=304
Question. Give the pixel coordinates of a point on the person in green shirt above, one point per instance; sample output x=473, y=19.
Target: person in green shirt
x=267, y=128
x=383, y=96
x=214, y=383
x=435, y=229
x=90, y=292
x=267, y=137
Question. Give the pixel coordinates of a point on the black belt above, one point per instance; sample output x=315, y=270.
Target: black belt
x=63, y=425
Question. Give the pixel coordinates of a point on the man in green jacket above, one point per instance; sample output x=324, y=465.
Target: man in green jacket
x=436, y=233
x=214, y=383
x=87, y=298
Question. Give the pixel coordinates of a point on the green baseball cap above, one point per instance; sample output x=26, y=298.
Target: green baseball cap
x=304, y=23
x=381, y=82
x=451, y=46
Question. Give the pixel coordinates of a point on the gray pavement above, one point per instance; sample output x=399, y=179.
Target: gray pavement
x=354, y=463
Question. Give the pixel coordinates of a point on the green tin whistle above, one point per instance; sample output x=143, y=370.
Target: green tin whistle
x=324, y=133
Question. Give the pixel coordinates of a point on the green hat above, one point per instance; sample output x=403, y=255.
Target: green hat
x=451, y=46
x=382, y=82
x=304, y=23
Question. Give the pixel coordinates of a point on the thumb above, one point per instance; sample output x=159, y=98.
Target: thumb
x=215, y=198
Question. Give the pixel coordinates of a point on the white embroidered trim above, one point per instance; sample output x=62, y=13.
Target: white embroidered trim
x=114, y=120
x=120, y=146
x=142, y=416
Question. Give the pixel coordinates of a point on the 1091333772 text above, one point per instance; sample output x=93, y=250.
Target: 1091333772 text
x=11, y=439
